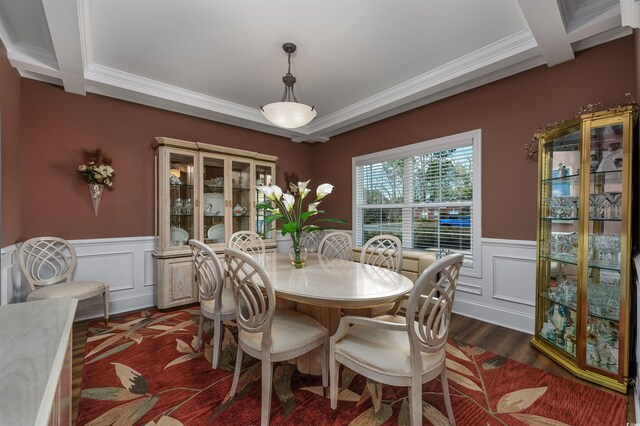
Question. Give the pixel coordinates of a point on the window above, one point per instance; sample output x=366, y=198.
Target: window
x=427, y=194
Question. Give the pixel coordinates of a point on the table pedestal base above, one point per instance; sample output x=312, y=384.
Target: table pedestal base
x=310, y=363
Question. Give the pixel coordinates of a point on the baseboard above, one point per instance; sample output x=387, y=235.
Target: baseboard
x=494, y=315
x=93, y=308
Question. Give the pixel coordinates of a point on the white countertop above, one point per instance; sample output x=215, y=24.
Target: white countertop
x=33, y=342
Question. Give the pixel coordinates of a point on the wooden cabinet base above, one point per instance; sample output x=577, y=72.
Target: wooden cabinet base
x=176, y=282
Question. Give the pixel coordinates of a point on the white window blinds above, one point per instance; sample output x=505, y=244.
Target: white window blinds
x=424, y=194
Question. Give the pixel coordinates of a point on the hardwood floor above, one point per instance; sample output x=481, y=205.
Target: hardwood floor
x=502, y=341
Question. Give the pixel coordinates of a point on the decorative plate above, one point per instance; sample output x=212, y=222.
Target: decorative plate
x=216, y=233
x=178, y=236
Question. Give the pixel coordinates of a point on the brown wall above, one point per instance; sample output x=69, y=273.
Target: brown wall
x=508, y=112
x=56, y=126
x=10, y=112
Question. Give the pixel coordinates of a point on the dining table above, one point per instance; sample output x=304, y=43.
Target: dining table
x=324, y=286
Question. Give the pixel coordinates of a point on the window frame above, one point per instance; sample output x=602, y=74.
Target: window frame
x=473, y=138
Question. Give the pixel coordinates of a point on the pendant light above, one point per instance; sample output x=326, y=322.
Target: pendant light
x=288, y=113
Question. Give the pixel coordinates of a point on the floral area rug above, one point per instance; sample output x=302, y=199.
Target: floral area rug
x=145, y=369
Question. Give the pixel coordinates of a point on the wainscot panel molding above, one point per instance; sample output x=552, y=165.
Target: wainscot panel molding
x=125, y=264
x=504, y=293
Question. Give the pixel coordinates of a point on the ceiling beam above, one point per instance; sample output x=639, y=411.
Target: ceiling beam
x=64, y=28
x=630, y=10
x=547, y=26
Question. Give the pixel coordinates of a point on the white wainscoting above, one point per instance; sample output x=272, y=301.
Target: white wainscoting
x=125, y=264
x=504, y=294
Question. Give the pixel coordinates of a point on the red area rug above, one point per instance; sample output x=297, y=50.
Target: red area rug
x=144, y=369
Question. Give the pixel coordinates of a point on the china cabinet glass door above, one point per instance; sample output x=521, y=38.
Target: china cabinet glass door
x=559, y=232
x=181, y=199
x=213, y=196
x=605, y=230
x=264, y=175
x=241, y=198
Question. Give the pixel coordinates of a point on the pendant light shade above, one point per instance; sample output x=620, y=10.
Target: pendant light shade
x=288, y=113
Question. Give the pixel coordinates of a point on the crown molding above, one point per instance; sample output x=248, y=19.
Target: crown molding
x=604, y=37
x=591, y=11
x=40, y=77
x=521, y=66
x=25, y=57
x=429, y=83
x=114, y=83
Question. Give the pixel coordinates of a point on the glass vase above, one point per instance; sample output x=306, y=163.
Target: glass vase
x=298, y=255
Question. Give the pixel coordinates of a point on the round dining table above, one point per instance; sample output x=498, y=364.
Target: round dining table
x=326, y=285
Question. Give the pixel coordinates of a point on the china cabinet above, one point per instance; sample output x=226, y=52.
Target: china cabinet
x=583, y=305
x=205, y=192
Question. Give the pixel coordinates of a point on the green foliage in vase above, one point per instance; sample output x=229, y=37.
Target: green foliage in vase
x=289, y=208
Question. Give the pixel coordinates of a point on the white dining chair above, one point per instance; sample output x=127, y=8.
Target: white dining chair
x=384, y=251
x=264, y=332
x=336, y=245
x=247, y=241
x=48, y=264
x=398, y=350
x=311, y=239
x=216, y=299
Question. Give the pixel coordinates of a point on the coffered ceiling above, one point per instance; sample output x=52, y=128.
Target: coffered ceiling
x=357, y=61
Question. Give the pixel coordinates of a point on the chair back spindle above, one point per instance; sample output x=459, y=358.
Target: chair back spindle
x=430, y=303
x=253, y=291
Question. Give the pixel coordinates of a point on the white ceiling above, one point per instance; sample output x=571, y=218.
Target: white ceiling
x=358, y=61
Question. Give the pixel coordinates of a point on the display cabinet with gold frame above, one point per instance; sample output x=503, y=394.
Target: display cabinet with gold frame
x=584, y=245
x=205, y=192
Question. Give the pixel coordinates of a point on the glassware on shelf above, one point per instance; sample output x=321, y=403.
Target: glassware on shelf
x=604, y=250
x=188, y=206
x=177, y=206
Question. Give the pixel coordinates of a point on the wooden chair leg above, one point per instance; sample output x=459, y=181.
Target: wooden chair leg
x=447, y=397
x=200, y=327
x=333, y=376
x=415, y=402
x=325, y=361
x=267, y=372
x=217, y=342
x=105, y=298
x=236, y=373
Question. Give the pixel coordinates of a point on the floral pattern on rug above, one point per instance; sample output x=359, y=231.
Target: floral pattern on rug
x=148, y=369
